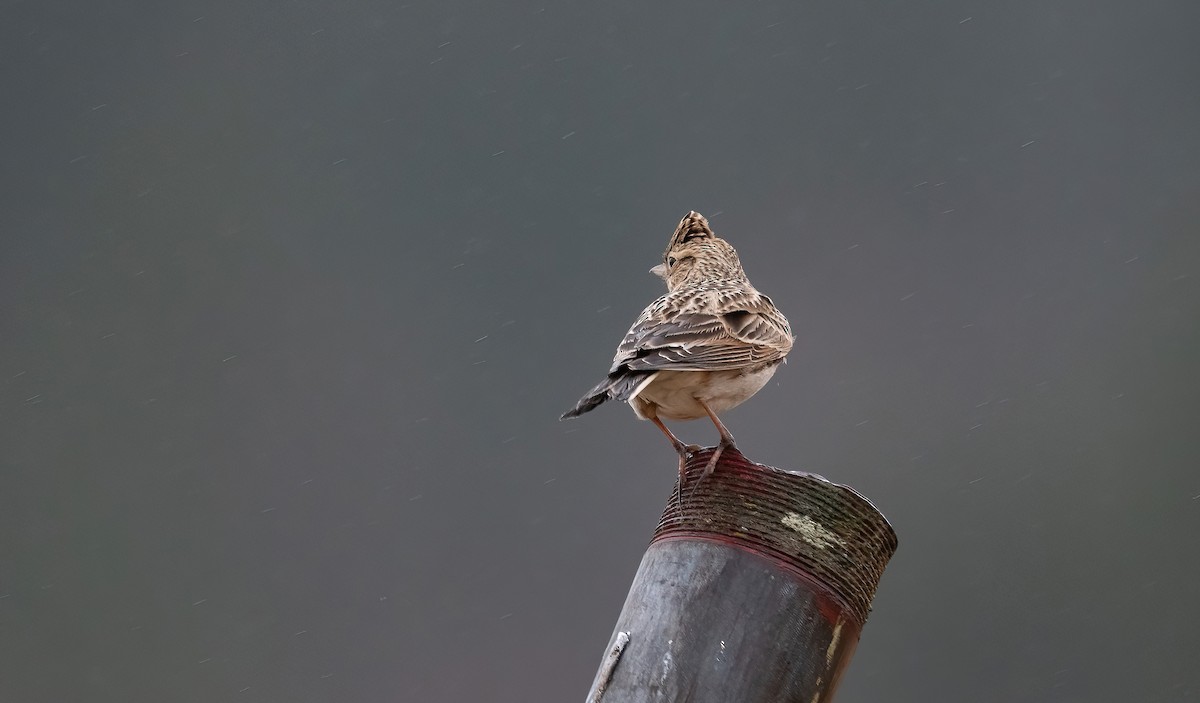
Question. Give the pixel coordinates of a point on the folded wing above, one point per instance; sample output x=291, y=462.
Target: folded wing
x=683, y=335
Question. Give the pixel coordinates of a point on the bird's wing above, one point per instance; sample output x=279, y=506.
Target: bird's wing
x=708, y=330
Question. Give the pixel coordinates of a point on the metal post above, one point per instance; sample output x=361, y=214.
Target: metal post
x=754, y=589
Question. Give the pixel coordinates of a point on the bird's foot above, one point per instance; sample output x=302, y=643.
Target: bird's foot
x=716, y=456
x=711, y=466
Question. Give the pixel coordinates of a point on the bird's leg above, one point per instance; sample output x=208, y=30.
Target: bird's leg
x=680, y=448
x=725, y=443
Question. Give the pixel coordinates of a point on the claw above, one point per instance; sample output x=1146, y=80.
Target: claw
x=685, y=452
x=679, y=484
x=712, y=462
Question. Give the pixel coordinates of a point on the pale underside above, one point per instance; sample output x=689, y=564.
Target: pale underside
x=672, y=395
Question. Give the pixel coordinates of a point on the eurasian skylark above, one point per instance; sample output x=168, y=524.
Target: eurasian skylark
x=706, y=346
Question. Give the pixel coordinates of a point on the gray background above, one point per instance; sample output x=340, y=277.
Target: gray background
x=293, y=293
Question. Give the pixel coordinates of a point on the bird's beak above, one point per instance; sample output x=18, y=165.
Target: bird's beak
x=660, y=271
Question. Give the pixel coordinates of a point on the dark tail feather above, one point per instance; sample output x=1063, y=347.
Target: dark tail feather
x=616, y=387
x=586, y=403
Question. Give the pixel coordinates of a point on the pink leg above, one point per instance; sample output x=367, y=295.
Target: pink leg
x=680, y=448
x=726, y=439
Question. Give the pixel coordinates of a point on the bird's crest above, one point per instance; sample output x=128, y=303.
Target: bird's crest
x=692, y=226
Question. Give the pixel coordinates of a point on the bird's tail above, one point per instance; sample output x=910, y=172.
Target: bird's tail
x=593, y=399
x=620, y=386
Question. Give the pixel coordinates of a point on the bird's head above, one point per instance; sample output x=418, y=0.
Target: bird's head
x=696, y=255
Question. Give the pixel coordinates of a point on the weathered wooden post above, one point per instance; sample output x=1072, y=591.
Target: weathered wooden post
x=753, y=590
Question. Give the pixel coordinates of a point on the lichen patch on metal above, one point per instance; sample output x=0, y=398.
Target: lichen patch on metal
x=812, y=531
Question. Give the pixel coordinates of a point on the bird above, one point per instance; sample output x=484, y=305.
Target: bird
x=706, y=346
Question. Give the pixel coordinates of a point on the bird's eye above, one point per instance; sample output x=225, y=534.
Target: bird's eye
x=670, y=261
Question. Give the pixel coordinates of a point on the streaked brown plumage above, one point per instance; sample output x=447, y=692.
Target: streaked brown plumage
x=706, y=346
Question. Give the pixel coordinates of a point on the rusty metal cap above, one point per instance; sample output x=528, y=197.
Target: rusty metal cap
x=828, y=534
